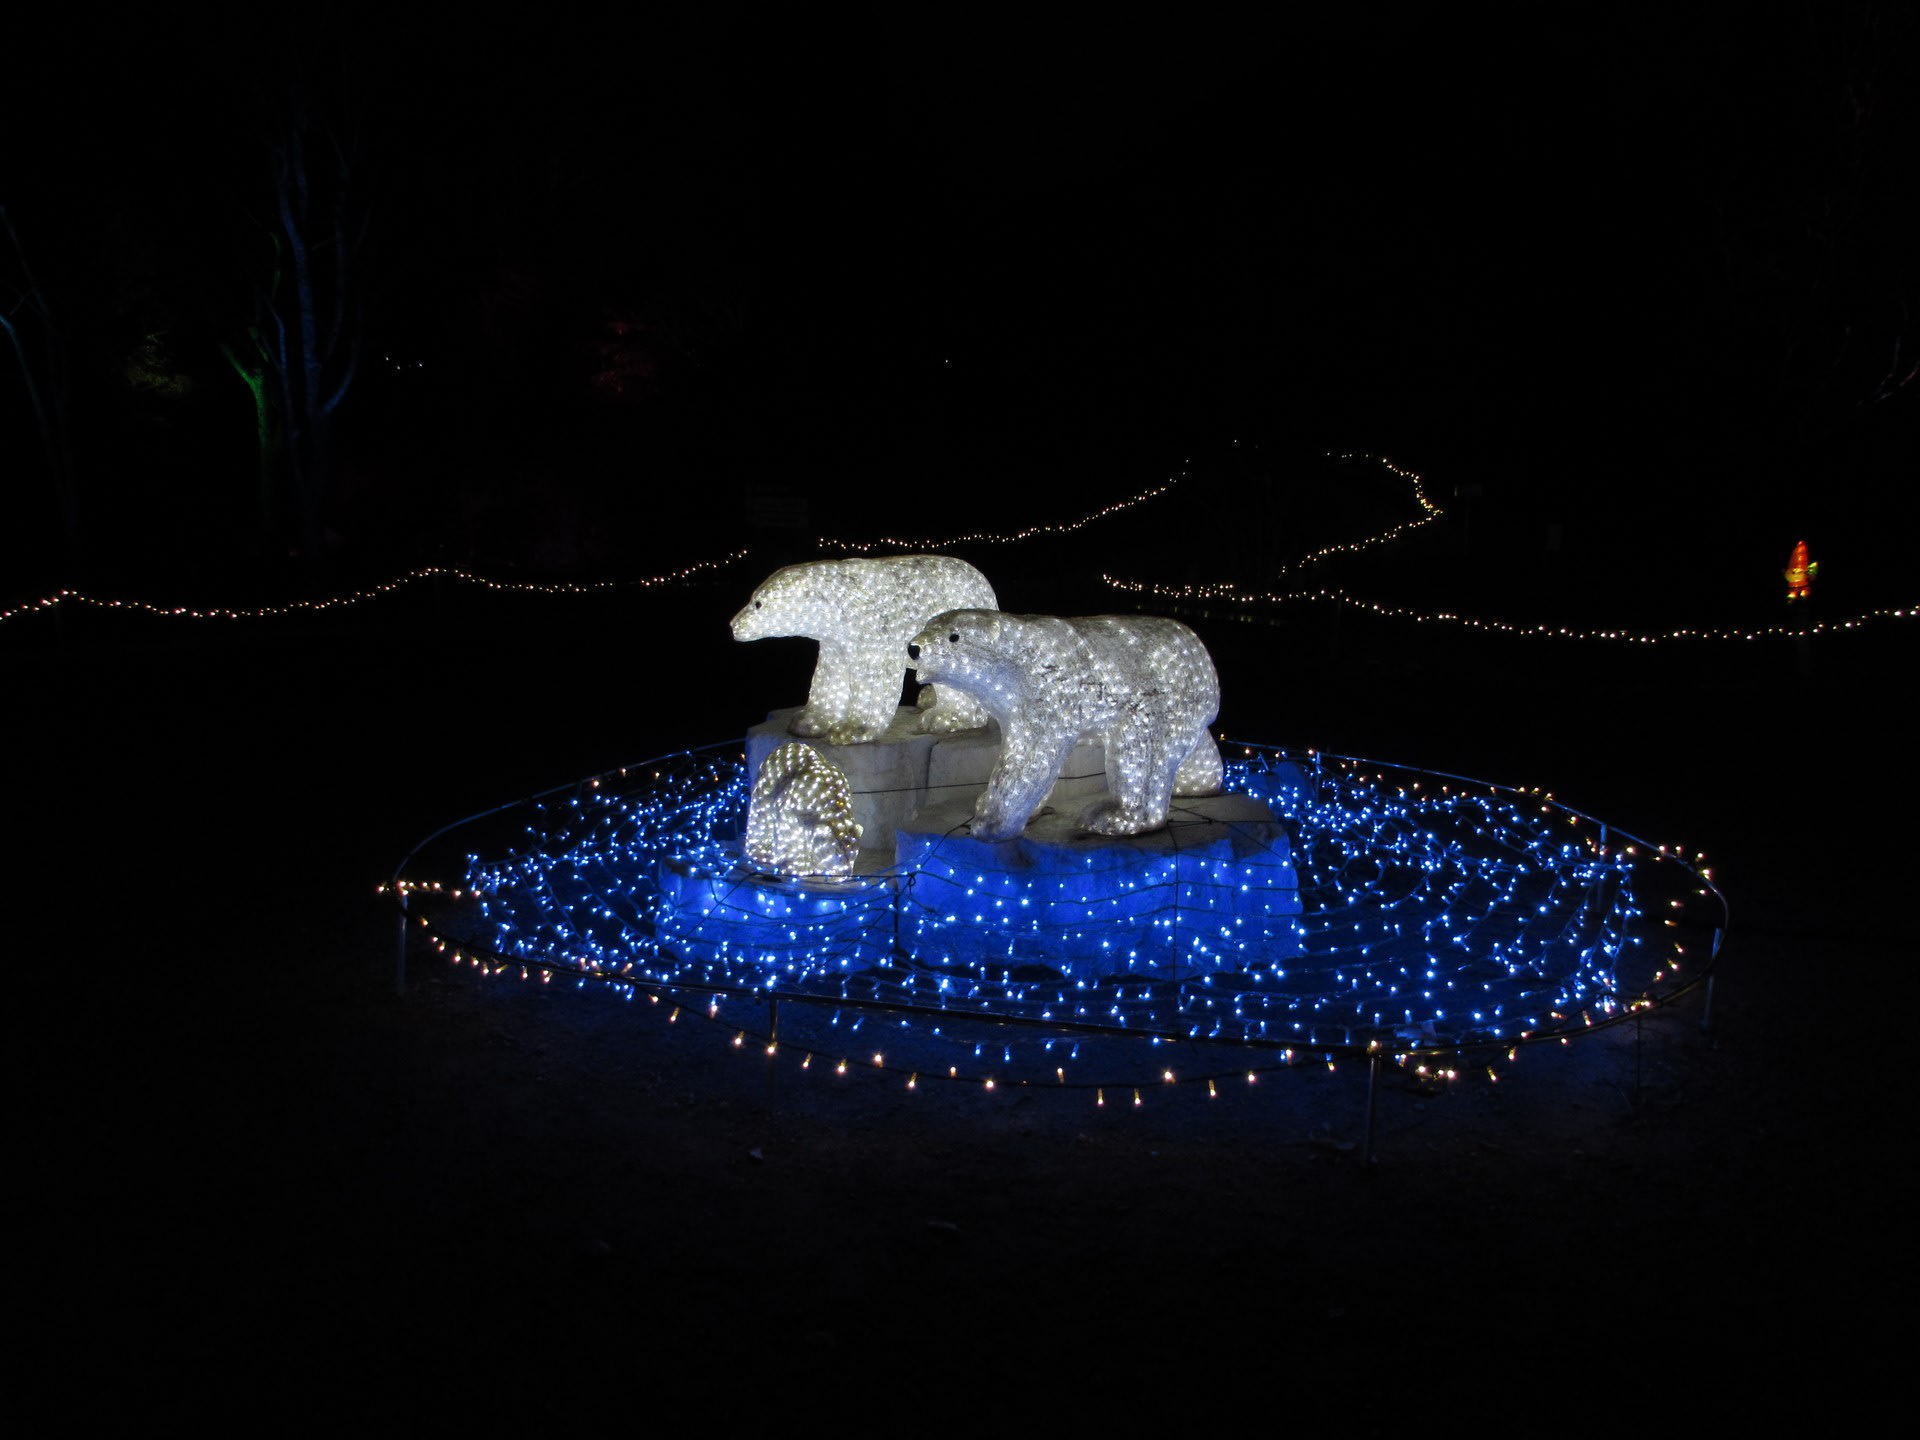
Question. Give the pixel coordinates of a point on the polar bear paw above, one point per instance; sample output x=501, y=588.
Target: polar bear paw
x=810, y=722
x=992, y=825
x=1110, y=817
x=854, y=732
x=947, y=720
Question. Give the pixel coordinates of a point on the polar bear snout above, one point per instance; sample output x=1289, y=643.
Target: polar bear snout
x=925, y=655
x=750, y=622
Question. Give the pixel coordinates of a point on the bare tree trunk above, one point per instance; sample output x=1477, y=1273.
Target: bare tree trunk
x=304, y=344
x=48, y=400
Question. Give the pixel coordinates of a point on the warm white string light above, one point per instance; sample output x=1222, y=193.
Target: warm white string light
x=77, y=597
x=1226, y=594
x=1429, y=512
x=1008, y=537
x=356, y=597
x=1231, y=593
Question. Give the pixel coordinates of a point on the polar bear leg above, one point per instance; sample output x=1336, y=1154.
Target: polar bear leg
x=1200, y=773
x=1140, y=768
x=829, y=695
x=873, y=694
x=943, y=711
x=1029, y=764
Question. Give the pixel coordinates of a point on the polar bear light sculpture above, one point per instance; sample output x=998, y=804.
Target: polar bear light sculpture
x=863, y=612
x=1143, y=684
x=800, y=818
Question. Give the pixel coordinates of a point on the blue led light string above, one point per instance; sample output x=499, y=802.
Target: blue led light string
x=1545, y=919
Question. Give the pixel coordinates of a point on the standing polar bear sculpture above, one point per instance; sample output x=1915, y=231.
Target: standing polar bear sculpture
x=1143, y=684
x=863, y=612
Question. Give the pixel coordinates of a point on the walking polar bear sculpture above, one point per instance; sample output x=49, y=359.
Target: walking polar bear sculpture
x=863, y=613
x=1145, y=685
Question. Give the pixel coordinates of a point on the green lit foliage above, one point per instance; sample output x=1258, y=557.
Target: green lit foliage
x=301, y=348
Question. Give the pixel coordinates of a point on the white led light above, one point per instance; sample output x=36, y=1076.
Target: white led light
x=1143, y=684
x=863, y=613
x=800, y=820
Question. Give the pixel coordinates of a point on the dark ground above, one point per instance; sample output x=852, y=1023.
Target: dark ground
x=248, y=1167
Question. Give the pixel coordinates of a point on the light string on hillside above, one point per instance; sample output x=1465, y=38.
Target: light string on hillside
x=1232, y=593
x=1187, y=596
x=49, y=603
x=1441, y=917
x=1429, y=512
x=370, y=592
x=1008, y=537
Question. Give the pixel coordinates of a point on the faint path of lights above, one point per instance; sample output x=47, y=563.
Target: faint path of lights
x=1226, y=595
x=980, y=537
x=356, y=597
x=1430, y=512
x=428, y=572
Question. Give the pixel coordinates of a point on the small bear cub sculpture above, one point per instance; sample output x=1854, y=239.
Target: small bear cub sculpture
x=863, y=612
x=800, y=817
x=1143, y=684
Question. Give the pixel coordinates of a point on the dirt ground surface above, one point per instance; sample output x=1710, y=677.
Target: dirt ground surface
x=254, y=1174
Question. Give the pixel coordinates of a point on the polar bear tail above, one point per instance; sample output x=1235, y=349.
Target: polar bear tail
x=1200, y=772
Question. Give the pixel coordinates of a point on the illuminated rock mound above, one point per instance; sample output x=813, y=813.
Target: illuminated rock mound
x=800, y=818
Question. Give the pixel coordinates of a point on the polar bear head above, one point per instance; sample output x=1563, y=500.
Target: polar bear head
x=796, y=600
x=988, y=653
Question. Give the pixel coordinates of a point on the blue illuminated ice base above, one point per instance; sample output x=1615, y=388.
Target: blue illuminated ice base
x=1199, y=896
x=1323, y=907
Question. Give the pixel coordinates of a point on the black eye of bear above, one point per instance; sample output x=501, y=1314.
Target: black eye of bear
x=756, y=604
x=955, y=637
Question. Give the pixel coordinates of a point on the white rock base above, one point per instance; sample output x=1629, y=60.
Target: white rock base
x=1213, y=891
x=900, y=774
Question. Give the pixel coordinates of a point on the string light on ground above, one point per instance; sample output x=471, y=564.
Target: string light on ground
x=1226, y=594
x=69, y=597
x=1443, y=917
x=1799, y=574
x=1429, y=512
x=366, y=593
x=1008, y=537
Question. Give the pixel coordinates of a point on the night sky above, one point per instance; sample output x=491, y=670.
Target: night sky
x=1638, y=275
